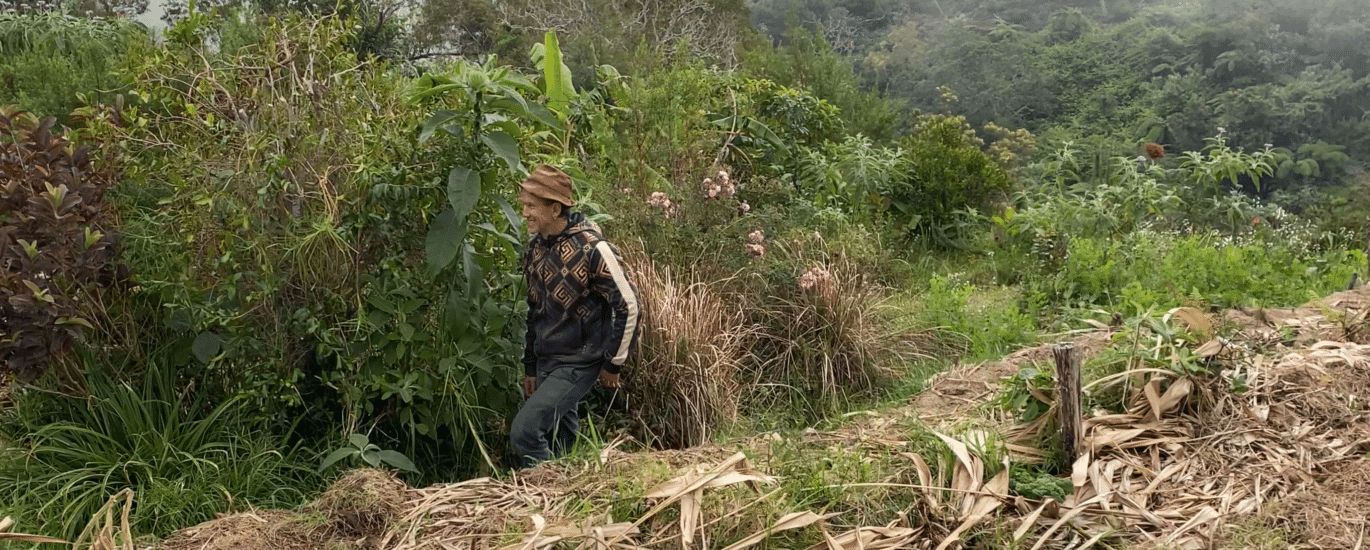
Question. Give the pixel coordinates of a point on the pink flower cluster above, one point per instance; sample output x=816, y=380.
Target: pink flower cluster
x=756, y=244
x=723, y=189
x=662, y=201
x=815, y=278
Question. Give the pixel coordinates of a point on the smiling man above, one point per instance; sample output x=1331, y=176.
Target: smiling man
x=582, y=317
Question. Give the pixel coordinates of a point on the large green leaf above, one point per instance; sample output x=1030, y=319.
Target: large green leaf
x=456, y=316
x=206, y=346
x=432, y=86
x=749, y=126
x=505, y=148
x=440, y=120
x=335, y=456
x=496, y=232
x=557, y=75
x=510, y=215
x=475, y=277
x=397, y=460
x=519, y=106
x=463, y=190
x=446, y=235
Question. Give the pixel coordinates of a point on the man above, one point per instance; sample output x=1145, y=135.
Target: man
x=582, y=317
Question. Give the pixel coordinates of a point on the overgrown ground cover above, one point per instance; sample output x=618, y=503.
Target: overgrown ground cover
x=1225, y=437
x=268, y=258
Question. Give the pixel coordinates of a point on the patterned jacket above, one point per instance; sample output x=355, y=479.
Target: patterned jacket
x=582, y=307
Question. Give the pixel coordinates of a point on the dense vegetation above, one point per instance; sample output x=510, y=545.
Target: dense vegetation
x=281, y=236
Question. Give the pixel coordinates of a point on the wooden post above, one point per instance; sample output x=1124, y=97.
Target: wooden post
x=1068, y=396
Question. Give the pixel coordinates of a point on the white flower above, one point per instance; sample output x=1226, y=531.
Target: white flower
x=756, y=237
x=658, y=199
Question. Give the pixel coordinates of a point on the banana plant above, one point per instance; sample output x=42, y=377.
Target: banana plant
x=576, y=110
x=556, y=75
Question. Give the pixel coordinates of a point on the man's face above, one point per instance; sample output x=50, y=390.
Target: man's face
x=541, y=214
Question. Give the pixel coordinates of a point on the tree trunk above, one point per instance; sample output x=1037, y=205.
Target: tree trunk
x=1068, y=390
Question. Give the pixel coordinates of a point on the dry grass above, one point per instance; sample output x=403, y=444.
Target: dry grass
x=685, y=382
x=364, y=503
x=1332, y=514
x=1190, y=454
x=824, y=337
x=355, y=512
x=255, y=530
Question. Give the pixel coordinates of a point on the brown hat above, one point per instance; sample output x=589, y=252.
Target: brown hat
x=549, y=183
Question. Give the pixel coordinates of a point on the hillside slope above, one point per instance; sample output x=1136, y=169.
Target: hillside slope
x=1266, y=449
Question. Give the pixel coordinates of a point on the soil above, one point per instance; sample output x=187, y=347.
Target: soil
x=963, y=388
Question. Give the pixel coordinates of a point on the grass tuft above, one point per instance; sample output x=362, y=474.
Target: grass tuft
x=693, y=345
x=183, y=460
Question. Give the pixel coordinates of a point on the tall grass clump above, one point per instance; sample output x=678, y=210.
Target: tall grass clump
x=823, y=339
x=184, y=461
x=693, y=345
x=53, y=63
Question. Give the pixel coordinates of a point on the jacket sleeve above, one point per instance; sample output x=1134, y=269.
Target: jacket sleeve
x=611, y=282
x=530, y=360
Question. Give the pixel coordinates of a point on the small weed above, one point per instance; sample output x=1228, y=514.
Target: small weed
x=1254, y=533
x=1032, y=483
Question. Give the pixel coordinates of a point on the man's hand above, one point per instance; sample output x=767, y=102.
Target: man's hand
x=609, y=379
x=530, y=384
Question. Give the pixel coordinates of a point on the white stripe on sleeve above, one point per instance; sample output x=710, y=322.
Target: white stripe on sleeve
x=630, y=299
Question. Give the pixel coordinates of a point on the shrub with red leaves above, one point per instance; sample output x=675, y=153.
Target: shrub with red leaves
x=54, y=241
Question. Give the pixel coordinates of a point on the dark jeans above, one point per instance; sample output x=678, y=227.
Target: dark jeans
x=547, y=422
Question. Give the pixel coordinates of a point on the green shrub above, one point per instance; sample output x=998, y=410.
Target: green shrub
x=51, y=63
x=56, y=243
x=822, y=337
x=948, y=172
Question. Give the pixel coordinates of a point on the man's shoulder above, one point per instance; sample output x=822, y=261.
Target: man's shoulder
x=589, y=234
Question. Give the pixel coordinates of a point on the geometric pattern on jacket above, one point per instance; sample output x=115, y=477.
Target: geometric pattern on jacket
x=582, y=306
